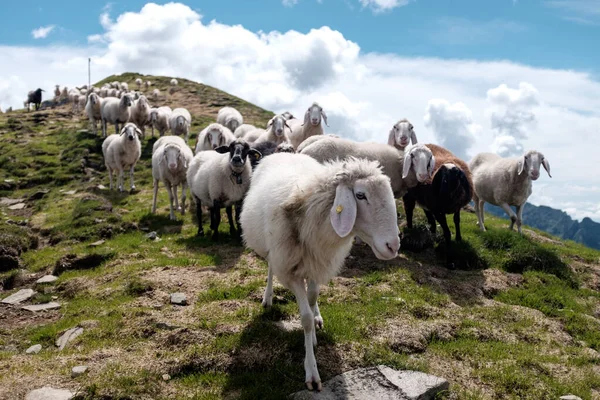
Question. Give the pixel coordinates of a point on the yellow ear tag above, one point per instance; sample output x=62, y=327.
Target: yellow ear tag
x=339, y=209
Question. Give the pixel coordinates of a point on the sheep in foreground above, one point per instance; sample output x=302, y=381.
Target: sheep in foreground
x=230, y=117
x=115, y=111
x=159, y=119
x=35, y=97
x=405, y=169
x=447, y=192
x=93, y=110
x=122, y=152
x=311, y=126
x=213, y=136
x=301, y=217
x=243, y=129
x=140, y=114
x=313, y=139
x=265, y=149
x=180, y=122
x=219, y=179
x=275, y=131
x=170, y=160
x=401, y=134
x=505, y=182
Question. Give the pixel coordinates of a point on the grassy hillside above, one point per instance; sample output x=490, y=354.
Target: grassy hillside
x=519, y=318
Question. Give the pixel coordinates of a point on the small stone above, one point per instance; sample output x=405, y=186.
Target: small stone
x=41, y=307
x=152, y=235
x=47, y=279
x=570, y=397
x=101, y=187
x=9, y=180
x=97, y=243
x=19, y=297
x=18, y=206
x=68, y=336
x=36, y=348
x=78, y=370
x=5, y=201
x=166, y=377
x=49, y=393
x=179, y=299
x=71, y=192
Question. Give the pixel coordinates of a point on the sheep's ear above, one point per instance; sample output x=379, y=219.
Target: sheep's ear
x=431, y=166
x=546, y=165
x=139, y=132
x=270, y=122
x=122, y=131
x=521, y=165
x=324, y=117
x=413, y=137
x=286, y=124
x=306, y=115
x=255, y=154
x=391, y=137
x=407, y=163
x=222, y=149
x=343, y=211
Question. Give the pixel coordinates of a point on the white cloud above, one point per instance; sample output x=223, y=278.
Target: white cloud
x=289, y=3
x=462, y=31
x=42, y=32
x=383, y=5
x=363, y=94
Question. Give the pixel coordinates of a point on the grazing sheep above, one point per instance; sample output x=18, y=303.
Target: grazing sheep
x=35, y=97
x=170, y=160
x=93, y=110
x=115, y=111
x=140, y=114
x=243, y=129
x=230, y=117
x=275, y=131
x=401, y=134
x=405, y=169
x=213, y=136
x=313, y=139
x=505, y=182
x=180, y=122
x=219, y=179
x=121, y=152
x=447, y=192
x=301, y=216
x=159, y=119
x=139, y=83
x=74, y=95
x=311, y=126
x=173, y=82
x=155, y=94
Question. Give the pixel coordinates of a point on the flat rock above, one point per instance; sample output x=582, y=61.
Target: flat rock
x=68, y=336
x=19, y=297
x=97, y=243
x=18, y=206
x=570, y=397
x=179, y=299
x=36, y=348
x=71, y=192
x=49, y=393
x=5, y=201
x=41, y=307
x=78, y=370
x=380, y=382
x=101, y=187
x=47, y=279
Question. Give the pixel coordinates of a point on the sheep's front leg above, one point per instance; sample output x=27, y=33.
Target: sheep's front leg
x=313, y=293
x=170, y=192
x=511, y=214
x=174, y=188
x=409, y=207
x=268, y=296
x=131, y=177
x=116, y=128
x=215, y=219
x=308, y=323
x=154, y=196
x=431, y=221
x=199, y=216
x=229, y=211
x=120, y=179
x=238, y=212
x=457, y=226
x=520, y=217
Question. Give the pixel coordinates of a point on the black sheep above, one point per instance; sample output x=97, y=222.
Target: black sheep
x=268, y=148
x=35, y=97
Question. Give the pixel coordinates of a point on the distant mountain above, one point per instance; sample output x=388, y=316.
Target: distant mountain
x=556, y=222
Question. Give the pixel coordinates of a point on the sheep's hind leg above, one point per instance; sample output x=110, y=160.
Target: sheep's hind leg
x=268, y=295
x=199, y=216
x=313, y=293
x=154, y=196
x=110, y=177
x=431, y=221
x=511, y=214
x=308, y=323
x=183, y=195
x=215, y=219
x=409, y=207
x=120, y=179
x=131, y=177
x=520, y=217
x=441, y=218
x=457, y=225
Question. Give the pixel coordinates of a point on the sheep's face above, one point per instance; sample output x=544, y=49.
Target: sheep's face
x=215, y=138
x=233, y=125
x=238, y=151
x=180, y=123
x=143, y=101
x=131, y=131
x=172, y=156
x=127, y=100
x=420, y=160
x=153, y=116
x=530, y=163
x=278, y=125
x=403, y=131
x=314, y=115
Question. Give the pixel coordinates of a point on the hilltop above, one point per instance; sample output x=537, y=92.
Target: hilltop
x=519, y=318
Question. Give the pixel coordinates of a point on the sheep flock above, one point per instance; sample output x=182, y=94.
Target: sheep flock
x=296, y=196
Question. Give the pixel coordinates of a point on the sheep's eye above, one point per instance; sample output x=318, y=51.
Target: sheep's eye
x=361, y=196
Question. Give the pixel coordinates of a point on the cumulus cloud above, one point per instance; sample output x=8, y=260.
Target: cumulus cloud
x=452, y=126
x=383, y=5
x=512, y=116
x=42, y=32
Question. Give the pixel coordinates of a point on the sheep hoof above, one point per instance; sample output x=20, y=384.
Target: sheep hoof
x=318, y=387
x=319, y=322
x=200, y=232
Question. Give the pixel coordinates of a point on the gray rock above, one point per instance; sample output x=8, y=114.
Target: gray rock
x=5, y=201
x=49, y=393
x=570, y=397
x=68, y=336
x=78, y=370
x=19, y=297
x=381, y=382
x=47, y=279
x=36, y=348
x=179, y=299
x=42, y=307
x=18, y=206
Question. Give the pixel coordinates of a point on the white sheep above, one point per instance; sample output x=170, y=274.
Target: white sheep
x=139, y=83
x=170, y=160
x=310, y=127
x=64, y=94
x=242, y=129
x=159, y=119
x=115, y=111
x=103, y=92
x=313, y=139
x=230, y=117
x=180, y=123
x=74, y=95
x=124, y=86
x=252, y=135
x=505, y=182
x=213, y=136
x=147, y=84
x=155, y=94
x=275, y=131
x=113, y=93
x=301, y=216
x=401, y=134
x=93, y=110
x=219, y=179
x=140, y=114
x=405, y=169
x=173, y=82
x=82, y=102
x=122, y=152
x=115, y=85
